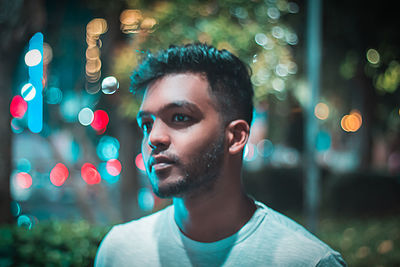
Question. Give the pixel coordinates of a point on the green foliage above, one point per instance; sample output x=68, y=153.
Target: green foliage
x=50, y=243
x=364, y=242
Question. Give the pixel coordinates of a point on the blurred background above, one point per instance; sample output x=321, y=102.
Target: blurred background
x=325, y=140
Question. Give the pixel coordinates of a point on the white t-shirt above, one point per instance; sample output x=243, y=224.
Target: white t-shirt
x=268, y=239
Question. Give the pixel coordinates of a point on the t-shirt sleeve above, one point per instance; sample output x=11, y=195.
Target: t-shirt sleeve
x=332, y=260
x=104, y=250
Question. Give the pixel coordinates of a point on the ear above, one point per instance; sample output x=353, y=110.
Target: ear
x=237, y=134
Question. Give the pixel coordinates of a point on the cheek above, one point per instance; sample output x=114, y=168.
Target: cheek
x=190, y=145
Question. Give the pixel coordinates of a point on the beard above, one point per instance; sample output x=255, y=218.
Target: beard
x=199, y=175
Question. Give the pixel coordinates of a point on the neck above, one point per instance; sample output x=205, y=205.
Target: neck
x=215, y=214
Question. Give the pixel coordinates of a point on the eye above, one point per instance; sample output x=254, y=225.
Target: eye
x=180, y=118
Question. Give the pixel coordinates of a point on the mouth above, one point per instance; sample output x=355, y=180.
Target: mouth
x=160, y=163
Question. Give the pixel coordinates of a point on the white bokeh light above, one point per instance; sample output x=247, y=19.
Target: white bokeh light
x=85, y=116
x=33, y=57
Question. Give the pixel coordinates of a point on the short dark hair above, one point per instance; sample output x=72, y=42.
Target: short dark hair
x=227, y=75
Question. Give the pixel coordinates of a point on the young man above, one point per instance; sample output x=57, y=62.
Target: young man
x=195, y=116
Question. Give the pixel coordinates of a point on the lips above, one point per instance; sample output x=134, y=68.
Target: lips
x=159, y=163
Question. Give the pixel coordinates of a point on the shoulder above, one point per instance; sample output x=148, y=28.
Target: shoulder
x=131, y=236
x=292, y=242
x=142, y=225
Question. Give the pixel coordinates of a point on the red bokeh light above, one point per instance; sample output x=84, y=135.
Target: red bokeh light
x=113, y=167
x=24, y=180
x=100, y=121
x=139, y=162
x=90, y=174
x=18, y=107
x=59, y=174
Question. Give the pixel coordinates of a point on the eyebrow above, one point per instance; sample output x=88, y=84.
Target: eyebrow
x=176, y=104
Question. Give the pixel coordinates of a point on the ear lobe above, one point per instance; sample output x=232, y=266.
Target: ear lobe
x=238, y=134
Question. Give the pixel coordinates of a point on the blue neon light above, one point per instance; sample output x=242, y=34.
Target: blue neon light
x=35, y=106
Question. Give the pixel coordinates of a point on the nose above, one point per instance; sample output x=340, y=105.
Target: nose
x=159, y=137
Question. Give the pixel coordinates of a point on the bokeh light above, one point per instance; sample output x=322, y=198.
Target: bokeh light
x=373, y=56
x=148, y=24
x=18, y=107
x=323, y=142
x=59, y=174
x=109, y=85
x=24, y=180
x=96, y=27
x=293, y=7
x=100, y=121
x=265, y=148
x=23, y=165
x=28, y=92
x=85, y=116
x=92, y=52
x=33, y=57
x=130, y=20
x=108, y=148
x=321, y=111
x=25, y=221
x=278, y=84
x=113, y=167
x=53, y=95
x=47, y=53
x=261, y=39
x=273, y=13
x=90, y=174
x=15, y=208
x=145, y=199
x=139, y=162
x=17, y=126
x=105, y=175
x=70, y=108
x=351, y=122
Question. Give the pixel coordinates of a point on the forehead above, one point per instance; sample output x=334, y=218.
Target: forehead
x=173, y=88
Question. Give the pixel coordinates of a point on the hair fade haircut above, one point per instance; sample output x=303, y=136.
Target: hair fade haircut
x=227, y=75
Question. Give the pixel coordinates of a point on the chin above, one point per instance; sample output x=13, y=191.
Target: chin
x=169, y=187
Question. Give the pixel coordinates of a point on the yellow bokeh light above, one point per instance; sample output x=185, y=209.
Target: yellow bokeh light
x=373, y=56
x=130, y=20
x=96, y=27
x=93, y=65
x=321, y=111
x=92, y=52
x=148, y=24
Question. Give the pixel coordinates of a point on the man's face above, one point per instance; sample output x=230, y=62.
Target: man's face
x=183, y=137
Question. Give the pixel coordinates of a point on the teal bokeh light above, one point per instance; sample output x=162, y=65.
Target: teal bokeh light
x=323, y=141
x=108, y=148
x=145, y=199
x=23, y=165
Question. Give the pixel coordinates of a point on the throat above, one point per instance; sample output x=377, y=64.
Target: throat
x=204, y=223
